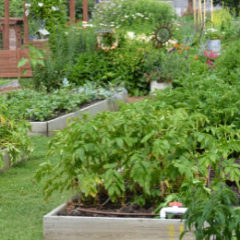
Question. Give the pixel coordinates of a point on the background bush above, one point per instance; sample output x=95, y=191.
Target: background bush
x=66, y=44
x=122, y=66
x=136, y=15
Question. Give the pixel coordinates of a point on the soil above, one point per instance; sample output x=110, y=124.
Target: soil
x=131, y=210
x=136, y=99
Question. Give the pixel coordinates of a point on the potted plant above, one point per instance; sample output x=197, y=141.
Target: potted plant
x=214, y=39
x=163, y=66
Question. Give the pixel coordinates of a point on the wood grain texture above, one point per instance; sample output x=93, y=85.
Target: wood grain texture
x=105, y=228
x=9, y=61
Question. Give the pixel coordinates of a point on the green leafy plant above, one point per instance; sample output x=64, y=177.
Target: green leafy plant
x=213, y=34
x=132, y=14
x=228, y=61
x=16, y=8
x=122, y=66
x=163, y=66
x=51, y=12
x=141, y=149
x=13, y=138
x=65, y=44
x=35, y=59
x=212, y=214
x=39, y=106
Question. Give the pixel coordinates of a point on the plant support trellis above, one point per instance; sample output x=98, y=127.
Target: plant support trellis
x=200, y=11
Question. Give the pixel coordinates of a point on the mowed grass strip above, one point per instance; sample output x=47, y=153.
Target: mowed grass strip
x=22, y=204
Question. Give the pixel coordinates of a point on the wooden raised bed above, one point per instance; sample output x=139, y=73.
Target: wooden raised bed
x=7, y=162
x=110, y=228
x=47, y=128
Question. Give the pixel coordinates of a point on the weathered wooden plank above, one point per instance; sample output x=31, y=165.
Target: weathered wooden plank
x=8, y=63
x=106, y=228
x=14, y=75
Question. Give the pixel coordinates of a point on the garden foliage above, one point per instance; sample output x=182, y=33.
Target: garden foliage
x=182, y=142
x=212, y=215
x=13, y=137
x=39, y=106
x=75, y=53
x=132, y=15
x=152, y=147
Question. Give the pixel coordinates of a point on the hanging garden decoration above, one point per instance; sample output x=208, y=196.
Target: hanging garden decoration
x=161, y=35
x=107, y=40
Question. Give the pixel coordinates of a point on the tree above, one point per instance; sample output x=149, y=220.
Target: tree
x=190, y=7
x=232, y=4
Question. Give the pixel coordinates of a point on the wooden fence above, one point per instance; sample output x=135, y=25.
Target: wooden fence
x=8, y=63
x=9, y=60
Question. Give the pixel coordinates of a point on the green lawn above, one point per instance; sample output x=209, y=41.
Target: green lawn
x=21, y=201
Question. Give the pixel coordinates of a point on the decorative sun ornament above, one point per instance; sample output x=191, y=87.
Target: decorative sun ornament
x=161, y=35
x=107, y=40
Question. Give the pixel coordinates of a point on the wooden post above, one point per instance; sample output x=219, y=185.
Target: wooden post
x=194, y=12
x=72, y=11
x=85, y=10
x=204, y=12
x=190, y=7
x=6, y=25
x=212, y=11
x=200, y=12
x=25, y=23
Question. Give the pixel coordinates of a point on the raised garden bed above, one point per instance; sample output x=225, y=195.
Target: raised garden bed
x=48, y=127
x=57, y=227
x=7, y=161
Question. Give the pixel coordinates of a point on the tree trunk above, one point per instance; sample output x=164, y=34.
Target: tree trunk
x=190, y=7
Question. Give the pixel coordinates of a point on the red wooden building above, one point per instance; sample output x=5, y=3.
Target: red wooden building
x=15, y=46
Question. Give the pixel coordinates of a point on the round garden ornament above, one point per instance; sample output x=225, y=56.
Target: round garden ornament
x=161, y=35
x=107, y=40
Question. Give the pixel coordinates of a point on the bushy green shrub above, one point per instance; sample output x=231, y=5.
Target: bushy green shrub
x=13, y=137
x=66, y=44
x=229, y=61
x=51, y=12
x=16, y=8
x=165, y=66
x=132, y=14
x=122, y=66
